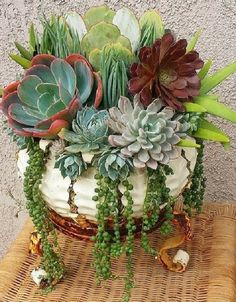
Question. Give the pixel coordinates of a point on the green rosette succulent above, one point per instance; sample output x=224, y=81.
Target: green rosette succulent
x=49, y=96
x=71, y=165
x=90, y=131
x=114, y=165
x=148, y=135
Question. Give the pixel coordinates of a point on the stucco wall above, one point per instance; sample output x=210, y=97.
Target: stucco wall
x=218, y=22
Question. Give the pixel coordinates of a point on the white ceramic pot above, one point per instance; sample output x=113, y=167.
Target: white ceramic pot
x=55, y=188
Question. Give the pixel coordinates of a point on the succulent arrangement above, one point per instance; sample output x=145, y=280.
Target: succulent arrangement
x=111, y=104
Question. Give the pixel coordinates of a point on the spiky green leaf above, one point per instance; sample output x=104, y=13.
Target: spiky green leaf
x=188, y=143
x=23, y=51
x=214, y=107
x=204, y=71
x=193, y=107
x=32, y=38
x=192, y=43
x=209, y=131
x=20, y=60
x=210, y=82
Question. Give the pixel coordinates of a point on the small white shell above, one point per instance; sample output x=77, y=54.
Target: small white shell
x=181, y=257
x=38, y=274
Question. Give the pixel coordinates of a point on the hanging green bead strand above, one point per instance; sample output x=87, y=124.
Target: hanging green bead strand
x=51, y=259
x=157, y=194
x=193, y=196
x=129, y=248
x=102, y=246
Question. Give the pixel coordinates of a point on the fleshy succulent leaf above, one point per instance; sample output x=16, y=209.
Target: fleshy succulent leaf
x=85, y=80
x=48, y=88
x=76, y=24
x=102, y=34
x=27, y=90
x=20, y=60
x=216, y=108
x=33, y=41
x=99, y=90
x=64, y=75
x=204, y=71
x=209, y=131
x=19, y=114
x=188, y=143
x=210, y=82
x=43, y=72
x=128, y=25
x=23, y=51
x=192, y=43
x=193, y=107
x=44, y=101
x=54, y=108
x=98, y=14
x=42, y=59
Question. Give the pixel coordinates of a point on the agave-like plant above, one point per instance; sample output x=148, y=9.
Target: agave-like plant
x=50, y=94
x=90, y=131
x=148, y=135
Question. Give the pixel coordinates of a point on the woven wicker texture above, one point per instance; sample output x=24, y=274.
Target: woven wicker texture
x=210, y=276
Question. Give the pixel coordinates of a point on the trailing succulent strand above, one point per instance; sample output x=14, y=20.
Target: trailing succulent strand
x=129, y=248
x=157, y=194
x=193, y=196
x=108, y=241
x=51, y=256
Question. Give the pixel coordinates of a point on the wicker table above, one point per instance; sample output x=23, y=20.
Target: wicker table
x=210, y=276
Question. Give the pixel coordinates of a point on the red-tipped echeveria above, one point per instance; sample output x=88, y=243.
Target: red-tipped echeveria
x=166, y=71
x=50, y=94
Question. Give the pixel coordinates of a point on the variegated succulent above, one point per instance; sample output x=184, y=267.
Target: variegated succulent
x=90, y=131
x=71, y=165
x=148, y=135
x=114, y=165
x=49, y=96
